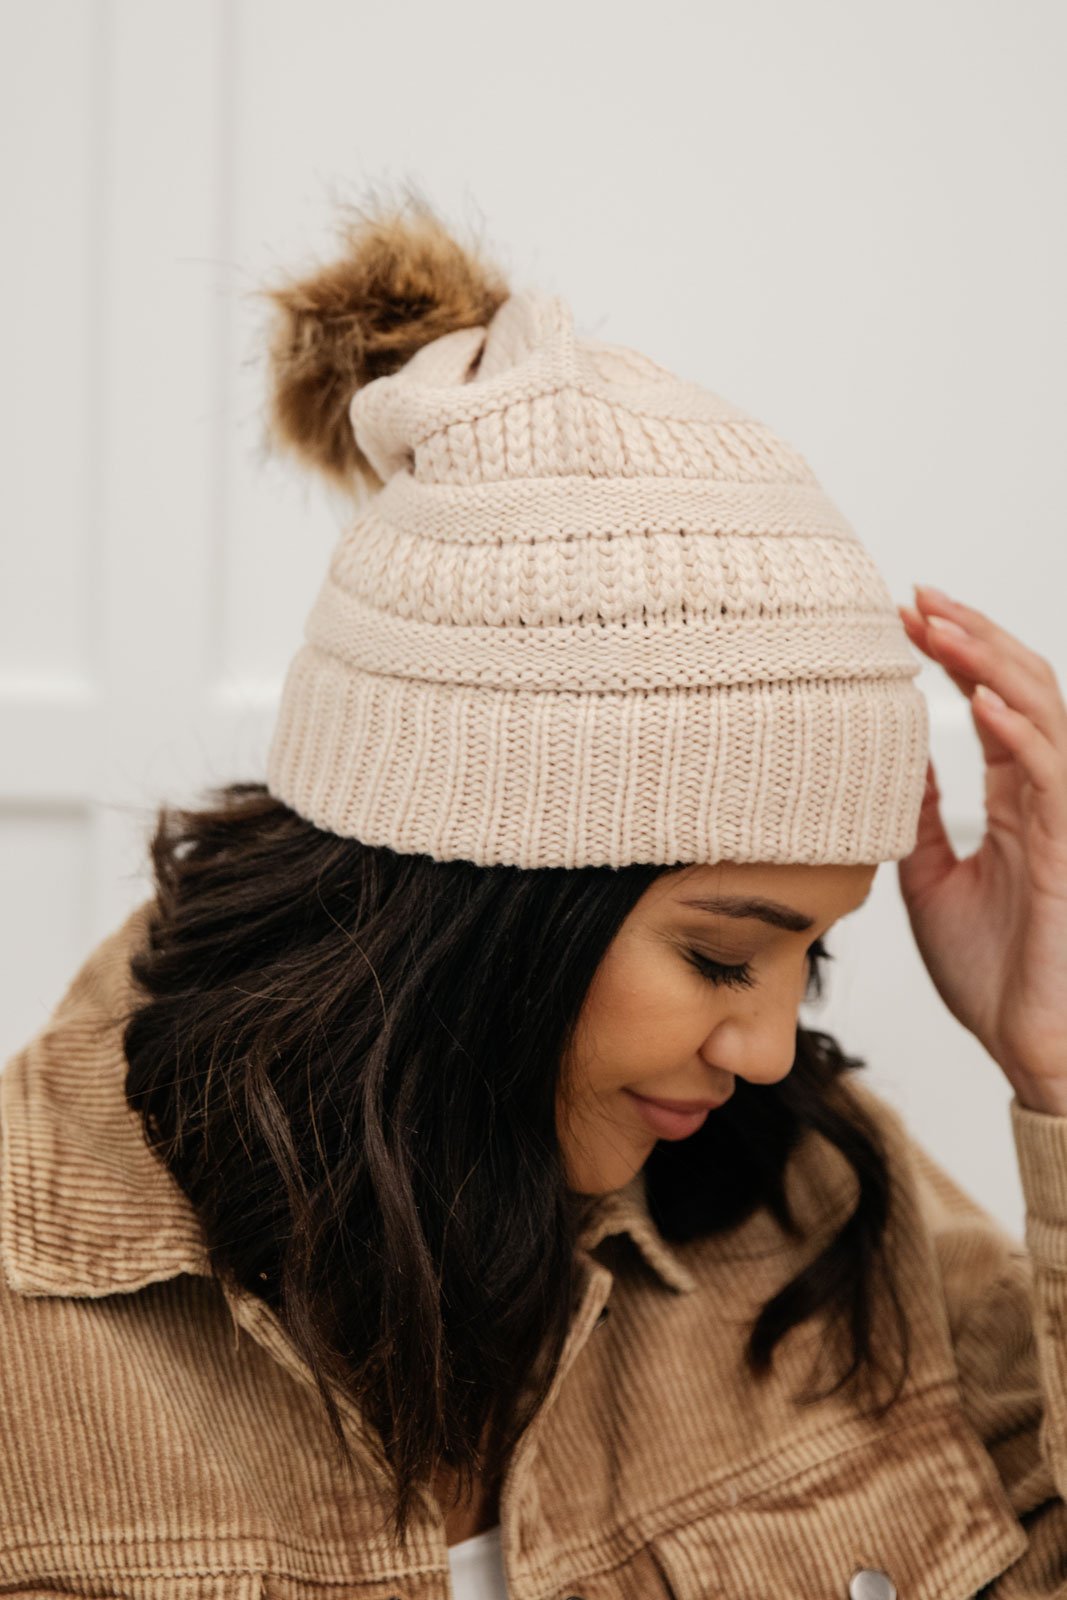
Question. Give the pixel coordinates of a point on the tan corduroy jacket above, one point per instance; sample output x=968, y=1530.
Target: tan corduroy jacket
x=161, y=1439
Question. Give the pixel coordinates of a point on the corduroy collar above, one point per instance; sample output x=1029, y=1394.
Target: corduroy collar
x=87, y=1208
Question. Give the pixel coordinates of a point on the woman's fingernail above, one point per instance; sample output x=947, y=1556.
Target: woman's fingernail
x=927, y=592
x=943, y=625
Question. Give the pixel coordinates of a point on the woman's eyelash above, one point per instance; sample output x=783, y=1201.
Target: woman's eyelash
x=741, y=977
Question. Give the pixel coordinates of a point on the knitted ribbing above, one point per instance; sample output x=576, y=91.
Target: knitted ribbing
x=597, y=614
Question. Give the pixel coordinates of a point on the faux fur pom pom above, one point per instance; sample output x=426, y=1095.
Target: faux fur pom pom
x=401, y=280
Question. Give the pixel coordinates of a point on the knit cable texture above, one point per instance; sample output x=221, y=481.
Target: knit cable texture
x=596, y=615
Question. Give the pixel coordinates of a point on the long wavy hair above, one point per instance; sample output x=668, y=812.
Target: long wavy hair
x=349, y=1059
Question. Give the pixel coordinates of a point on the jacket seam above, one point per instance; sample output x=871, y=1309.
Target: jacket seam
x=666, y=1514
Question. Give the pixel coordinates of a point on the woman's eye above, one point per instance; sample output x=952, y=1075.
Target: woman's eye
x=740, y=977
x=817, y=953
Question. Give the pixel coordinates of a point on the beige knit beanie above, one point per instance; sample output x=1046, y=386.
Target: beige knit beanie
x=589, y=613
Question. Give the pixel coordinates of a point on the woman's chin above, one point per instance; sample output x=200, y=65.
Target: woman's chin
x=606, y=1176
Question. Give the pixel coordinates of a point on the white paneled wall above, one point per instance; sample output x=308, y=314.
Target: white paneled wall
x=848, y=219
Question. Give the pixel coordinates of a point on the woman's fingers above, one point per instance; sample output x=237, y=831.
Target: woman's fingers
x=984, y=652
x=918, y=631
x=981, y=662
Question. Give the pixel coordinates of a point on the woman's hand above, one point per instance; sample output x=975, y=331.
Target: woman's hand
x=992, y=928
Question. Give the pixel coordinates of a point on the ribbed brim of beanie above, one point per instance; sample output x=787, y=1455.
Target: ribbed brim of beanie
x=596, y=615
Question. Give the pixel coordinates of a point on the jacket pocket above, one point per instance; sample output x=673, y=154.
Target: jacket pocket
x=135, y=1586
x=919, y=1509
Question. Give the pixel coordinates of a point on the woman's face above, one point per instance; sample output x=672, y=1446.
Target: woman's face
x=655, y=1027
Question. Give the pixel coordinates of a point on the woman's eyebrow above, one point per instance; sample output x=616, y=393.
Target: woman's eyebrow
x=736, y=905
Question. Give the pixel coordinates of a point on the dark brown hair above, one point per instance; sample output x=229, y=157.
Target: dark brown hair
x=349, y=1060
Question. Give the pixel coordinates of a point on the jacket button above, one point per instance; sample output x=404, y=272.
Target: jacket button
x=869, y=1583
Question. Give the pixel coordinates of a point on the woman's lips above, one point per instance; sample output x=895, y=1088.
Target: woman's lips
x=674, y=1119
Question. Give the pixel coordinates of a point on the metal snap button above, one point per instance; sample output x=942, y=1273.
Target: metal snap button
x=870, y=1583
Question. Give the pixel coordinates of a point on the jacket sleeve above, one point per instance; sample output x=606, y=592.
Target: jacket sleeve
x=1006, y=1301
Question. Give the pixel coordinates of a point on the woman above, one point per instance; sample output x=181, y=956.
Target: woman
x=429, y=1189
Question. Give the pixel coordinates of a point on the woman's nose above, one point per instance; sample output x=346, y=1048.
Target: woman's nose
x=767, y=1068
x=759, y=1049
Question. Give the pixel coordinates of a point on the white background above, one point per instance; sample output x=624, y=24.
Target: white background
x=846, y=217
